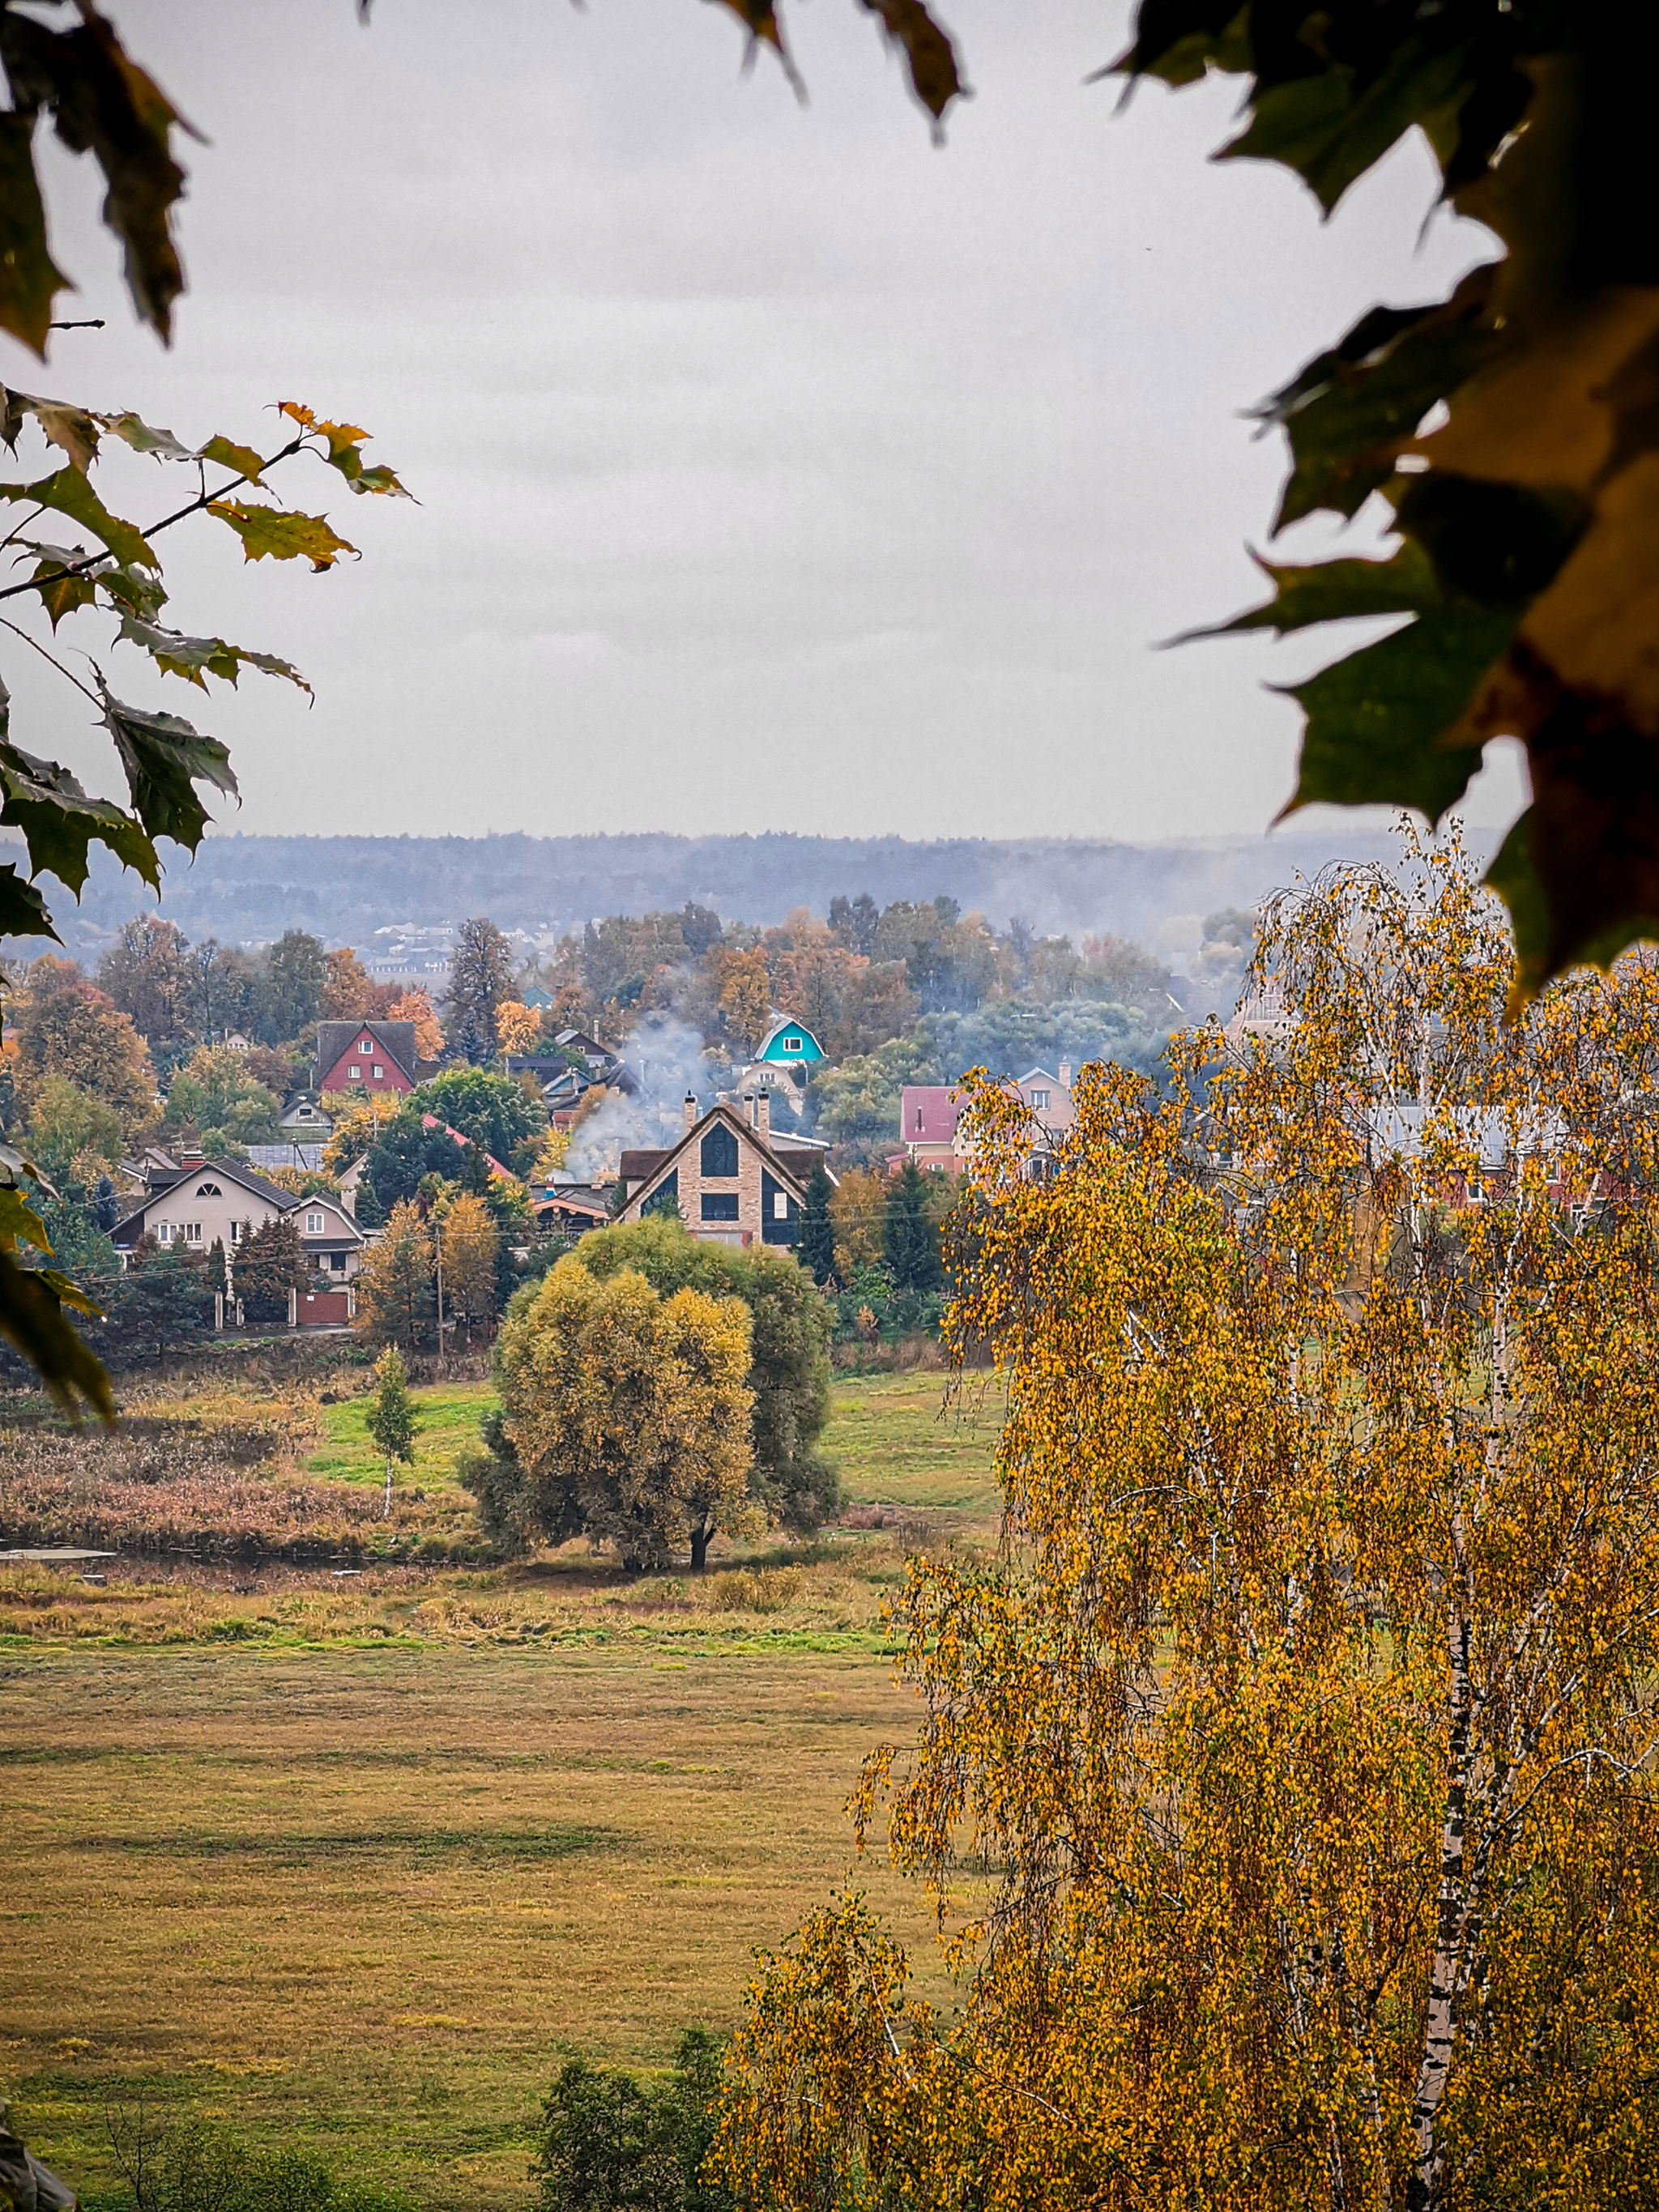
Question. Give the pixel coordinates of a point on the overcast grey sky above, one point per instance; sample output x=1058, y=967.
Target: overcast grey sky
x=778, y=470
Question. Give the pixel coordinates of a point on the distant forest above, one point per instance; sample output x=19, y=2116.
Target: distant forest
x=248, y=890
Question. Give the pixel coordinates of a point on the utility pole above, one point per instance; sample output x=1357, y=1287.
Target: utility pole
x=438, y=1238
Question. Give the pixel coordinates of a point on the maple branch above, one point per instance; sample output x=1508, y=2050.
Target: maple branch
x=206, y=499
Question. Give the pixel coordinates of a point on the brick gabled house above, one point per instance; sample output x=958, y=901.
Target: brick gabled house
x=728, y=1179
x=376, y=1057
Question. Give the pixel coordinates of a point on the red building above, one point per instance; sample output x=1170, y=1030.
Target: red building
x=377, y=1056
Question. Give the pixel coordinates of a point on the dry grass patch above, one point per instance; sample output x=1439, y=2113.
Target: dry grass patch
x=369, y=1900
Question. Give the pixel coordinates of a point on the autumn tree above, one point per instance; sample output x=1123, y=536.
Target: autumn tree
x=67, y=1026
x=858, y=1217
x=346, y=993
x=470, y=1244
x=480, y=978
x=745, y=999
x=74, y=1137
x=1292, y=1766
x=633, y=1407
x=395, y=1285
x=147, y=975
x=292, y=975
x=518, y=1027
x=792, y=1482
x=390, y=1417
x=417, y=1006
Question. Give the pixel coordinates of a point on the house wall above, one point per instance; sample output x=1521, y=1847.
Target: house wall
x=390, y=1078
x=695, y=1186
x=184, y=1208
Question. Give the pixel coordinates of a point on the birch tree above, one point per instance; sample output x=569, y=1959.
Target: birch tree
x=1284, y=1787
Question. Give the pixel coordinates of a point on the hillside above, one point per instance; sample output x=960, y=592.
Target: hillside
x=249, y=890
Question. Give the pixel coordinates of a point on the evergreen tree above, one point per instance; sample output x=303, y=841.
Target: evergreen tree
x=910, y=1240
x=480, y=977
x=816, y=1248
x=268, y=1265
x=391, y=1415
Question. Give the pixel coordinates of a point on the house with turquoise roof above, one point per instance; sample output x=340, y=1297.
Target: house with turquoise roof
x=781, y=1065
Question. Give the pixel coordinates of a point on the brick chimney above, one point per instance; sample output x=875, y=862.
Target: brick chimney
x=691, y=1109
x=748, y=1107
x=763, y=1113
x=192, y=1156
x=1065, y=1074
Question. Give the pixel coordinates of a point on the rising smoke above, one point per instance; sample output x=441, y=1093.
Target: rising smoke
x=667, y=1060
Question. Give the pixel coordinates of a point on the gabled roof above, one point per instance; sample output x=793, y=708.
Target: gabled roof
x=395, y=1039
x=784, y=1028
x=223, y=1170
x=431, y=1121
x=648, y=1168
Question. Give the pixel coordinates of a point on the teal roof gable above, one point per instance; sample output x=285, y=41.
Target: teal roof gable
x=791, y=1044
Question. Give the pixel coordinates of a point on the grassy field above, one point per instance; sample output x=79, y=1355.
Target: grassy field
x=447, y=1415
x=355, y=1863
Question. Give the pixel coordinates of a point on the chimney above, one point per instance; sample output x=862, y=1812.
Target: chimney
x=192, y=1156
x=749, y=1103
x=1065, y=1074
x=763, y=1113
x=691, y=1109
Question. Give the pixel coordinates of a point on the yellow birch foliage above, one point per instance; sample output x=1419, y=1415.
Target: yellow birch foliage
x=518, y=1027
x=471, y=1242
x=1286, y=1787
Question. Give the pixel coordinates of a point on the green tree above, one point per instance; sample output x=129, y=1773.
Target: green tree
x=632, y=1408
x=216, y=1093
x=67, y=1026
x=74, y=1136
x=163, y=1303
x=910, y=1236
x=496, y=1111
x=793, y=1481
x=480, y=977
x=390, y=1420
x=611, y=2142
x=816, y=1247
x=291, y=976
x=268, y=1265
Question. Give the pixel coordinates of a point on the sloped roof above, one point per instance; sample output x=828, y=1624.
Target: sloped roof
x=780, y=1028
x=793, y=1166
x=929, y=1113
x=396, y=1040
x=230, y=1171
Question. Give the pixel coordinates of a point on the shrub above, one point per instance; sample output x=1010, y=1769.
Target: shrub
x=610, y=2140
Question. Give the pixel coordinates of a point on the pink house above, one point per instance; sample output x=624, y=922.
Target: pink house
x=928, y=1115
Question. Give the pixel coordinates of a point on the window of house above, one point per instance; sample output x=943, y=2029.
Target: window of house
x=314, y=1224
x=365, y=1047
x=666, y=1198
x=208, y=1190
x=792, y=1044
x=336, y=1262
x=379, y=1071
x=164, y=1232
x=719, y=1158
x=1039, y=1102
x=194, y=1233
x=720, y=1206
x=780, y=1206
x=235, y=1232
x=355, y=1074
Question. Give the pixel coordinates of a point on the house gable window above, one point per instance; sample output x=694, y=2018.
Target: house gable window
x=315, y=1225
x=378, y=1071
x=666, y=1198
x=720, y=1156
x=208, y=1190
x=355, y=1074
x=1039, y=1102
x=720, y=1206
x=791, y=1044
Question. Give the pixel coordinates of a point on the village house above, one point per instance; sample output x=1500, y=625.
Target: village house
x=202, y=1202
x=729, y=1180
x=930, y=1117
x=373, y=1056
x=569, y=1206
x=788, y=1050
x=304, y=1121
